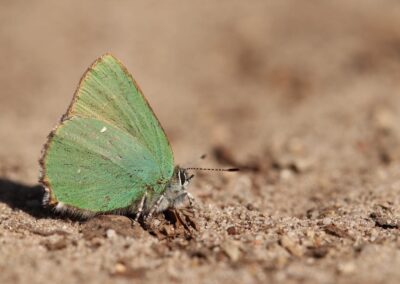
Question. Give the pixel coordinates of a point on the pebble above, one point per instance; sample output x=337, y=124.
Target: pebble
x=327, y=221
x=232, y=230
x=231, y=249
x=119, y=268
x=111, y=234
x=286, y=174
x=290, y=244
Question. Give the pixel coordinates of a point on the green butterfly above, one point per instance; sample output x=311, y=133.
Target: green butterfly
x=109, y=153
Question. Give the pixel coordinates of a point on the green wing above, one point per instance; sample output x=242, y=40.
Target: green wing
x=110, y=147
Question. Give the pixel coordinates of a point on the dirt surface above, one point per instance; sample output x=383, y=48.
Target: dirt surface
x=304, y=96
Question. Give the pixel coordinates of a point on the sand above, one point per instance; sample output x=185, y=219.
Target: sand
x=303, y=96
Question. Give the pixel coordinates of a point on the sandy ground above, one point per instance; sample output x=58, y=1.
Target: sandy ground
x=302, y=95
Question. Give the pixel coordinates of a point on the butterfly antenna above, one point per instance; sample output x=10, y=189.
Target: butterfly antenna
x=215, y=170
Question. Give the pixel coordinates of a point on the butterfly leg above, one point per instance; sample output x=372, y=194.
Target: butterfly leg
x=155, y=207
x=192, y=201
x=140, y=208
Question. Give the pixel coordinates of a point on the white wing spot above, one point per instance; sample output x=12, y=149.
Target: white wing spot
x=103, y=129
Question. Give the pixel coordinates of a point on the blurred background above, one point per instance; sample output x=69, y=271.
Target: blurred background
x=302, y=95
x=226, y=73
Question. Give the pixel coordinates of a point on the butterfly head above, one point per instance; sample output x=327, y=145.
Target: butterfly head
x=175, y=192
x=179, y=181
x=183, y=177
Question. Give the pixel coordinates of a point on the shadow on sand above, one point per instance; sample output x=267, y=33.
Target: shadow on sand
x=23, y=197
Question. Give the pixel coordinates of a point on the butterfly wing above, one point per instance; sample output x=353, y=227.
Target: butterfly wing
x=110, y=147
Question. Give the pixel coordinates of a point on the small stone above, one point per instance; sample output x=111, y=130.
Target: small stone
x=250, y=207
x=302, y=165
x=156, y=222
x=96, y=242
x=318, y=252
x=327, y=221
x=286, y=174
x=231, y=249
x=291, y=246
x=111, y=234
x=336, y=231
x=119, y=268
x=385, y=221
x=56, y=245
x=232, y=230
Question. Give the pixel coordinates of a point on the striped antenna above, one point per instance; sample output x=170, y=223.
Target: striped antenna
x=215, y=170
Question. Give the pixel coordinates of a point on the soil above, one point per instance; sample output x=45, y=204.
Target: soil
x=303, y=96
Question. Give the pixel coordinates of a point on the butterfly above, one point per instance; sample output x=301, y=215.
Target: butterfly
x=109, y=153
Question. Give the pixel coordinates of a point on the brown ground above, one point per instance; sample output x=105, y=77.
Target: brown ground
x=303, y=95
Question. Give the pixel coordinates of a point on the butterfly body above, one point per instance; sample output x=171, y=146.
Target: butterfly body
x=109, y=153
